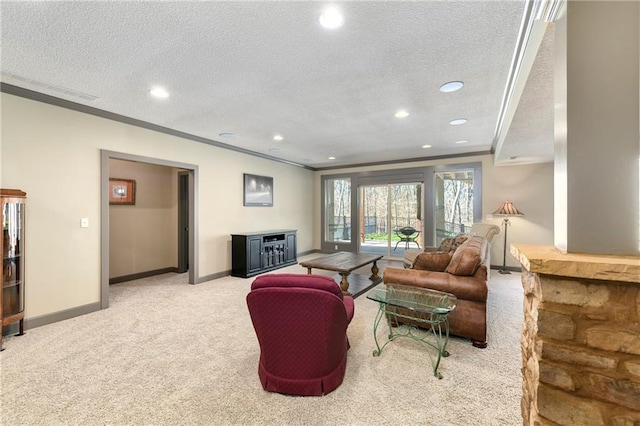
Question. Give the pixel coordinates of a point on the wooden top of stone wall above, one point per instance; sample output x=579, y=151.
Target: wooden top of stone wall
x=548, y=260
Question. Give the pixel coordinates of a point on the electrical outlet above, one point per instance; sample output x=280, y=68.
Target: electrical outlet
x=489, y=217
x=84, y=222
x=335, y=247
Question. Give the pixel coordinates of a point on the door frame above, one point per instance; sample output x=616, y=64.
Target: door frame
x=192, y=171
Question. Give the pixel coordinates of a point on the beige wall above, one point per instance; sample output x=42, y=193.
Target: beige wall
x=529, y=187
x=53, y=154
x=144, y=237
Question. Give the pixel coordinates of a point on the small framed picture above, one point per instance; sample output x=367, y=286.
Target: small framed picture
x=122, y=191
x=258, y=190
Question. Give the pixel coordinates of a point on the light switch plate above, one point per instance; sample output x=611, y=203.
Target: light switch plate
x=84, y=222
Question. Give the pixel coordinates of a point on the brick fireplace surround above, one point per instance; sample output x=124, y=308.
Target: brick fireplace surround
x=580, y=338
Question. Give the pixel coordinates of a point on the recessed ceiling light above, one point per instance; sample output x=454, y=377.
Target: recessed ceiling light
x=401, y=114
x=227, y=135
x=458, y=121
x=451, y=86
x=277, y=137
x=462, y=141
x=426, y=146
x=331, y=18
x=159, y=92
x=332, y=158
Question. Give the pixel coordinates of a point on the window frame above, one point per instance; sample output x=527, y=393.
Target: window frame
x=425, y=175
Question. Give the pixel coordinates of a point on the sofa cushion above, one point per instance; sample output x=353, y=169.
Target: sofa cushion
x=467, y=257
x=432, y=261
x=451, y=244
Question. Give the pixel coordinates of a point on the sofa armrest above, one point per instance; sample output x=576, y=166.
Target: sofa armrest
x=486, y=230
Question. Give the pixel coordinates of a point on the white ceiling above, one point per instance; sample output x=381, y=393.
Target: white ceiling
x=256, y=69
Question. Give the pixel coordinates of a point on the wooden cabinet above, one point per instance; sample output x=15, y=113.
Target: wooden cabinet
x=258, y=252
x=291, y=252
x=12, y=243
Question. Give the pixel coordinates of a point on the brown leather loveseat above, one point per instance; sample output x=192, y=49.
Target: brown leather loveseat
x=464, y=273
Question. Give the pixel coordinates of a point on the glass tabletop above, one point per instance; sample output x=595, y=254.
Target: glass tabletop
x=416, y=299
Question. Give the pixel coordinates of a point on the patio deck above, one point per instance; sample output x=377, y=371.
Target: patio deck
x=380, y=247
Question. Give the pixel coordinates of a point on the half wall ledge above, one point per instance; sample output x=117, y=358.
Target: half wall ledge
x=548, y=260
x=580, y=339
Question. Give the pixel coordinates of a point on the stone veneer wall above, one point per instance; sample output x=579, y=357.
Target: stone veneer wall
x=581, y=351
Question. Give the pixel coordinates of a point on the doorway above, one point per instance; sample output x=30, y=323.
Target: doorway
x=189, y=190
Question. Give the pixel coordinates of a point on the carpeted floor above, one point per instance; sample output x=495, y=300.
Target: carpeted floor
x=169, y=353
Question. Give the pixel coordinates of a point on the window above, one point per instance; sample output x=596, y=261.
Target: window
x=337, y=205
x=454, y=202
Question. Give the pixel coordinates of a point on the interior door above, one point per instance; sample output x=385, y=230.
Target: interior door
x=183, y=222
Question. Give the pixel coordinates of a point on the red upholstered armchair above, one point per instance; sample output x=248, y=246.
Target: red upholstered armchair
x=301, y=323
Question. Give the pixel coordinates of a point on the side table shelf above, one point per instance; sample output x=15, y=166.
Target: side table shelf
x=429, y=307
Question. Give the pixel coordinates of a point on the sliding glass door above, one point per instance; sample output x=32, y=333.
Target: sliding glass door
x=390, y=218
x=367, y=211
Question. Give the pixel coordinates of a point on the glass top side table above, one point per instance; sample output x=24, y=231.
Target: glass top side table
x=427, y=307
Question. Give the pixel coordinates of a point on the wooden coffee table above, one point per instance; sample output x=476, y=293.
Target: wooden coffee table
x=344, y=263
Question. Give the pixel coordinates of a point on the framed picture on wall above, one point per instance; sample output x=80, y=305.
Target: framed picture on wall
x=122, y=191
x=258, y=190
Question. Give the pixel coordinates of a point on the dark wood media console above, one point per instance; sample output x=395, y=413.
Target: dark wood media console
x=256, y=252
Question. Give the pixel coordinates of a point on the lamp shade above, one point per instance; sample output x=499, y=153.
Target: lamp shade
x=507, y=209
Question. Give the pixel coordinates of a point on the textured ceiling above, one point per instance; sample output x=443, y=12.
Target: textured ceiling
x=256, y=69
x=530, y=137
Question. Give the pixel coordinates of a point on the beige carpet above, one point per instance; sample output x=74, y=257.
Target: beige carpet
x=169, y=353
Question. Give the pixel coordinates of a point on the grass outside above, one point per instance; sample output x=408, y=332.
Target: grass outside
x=381, y=237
